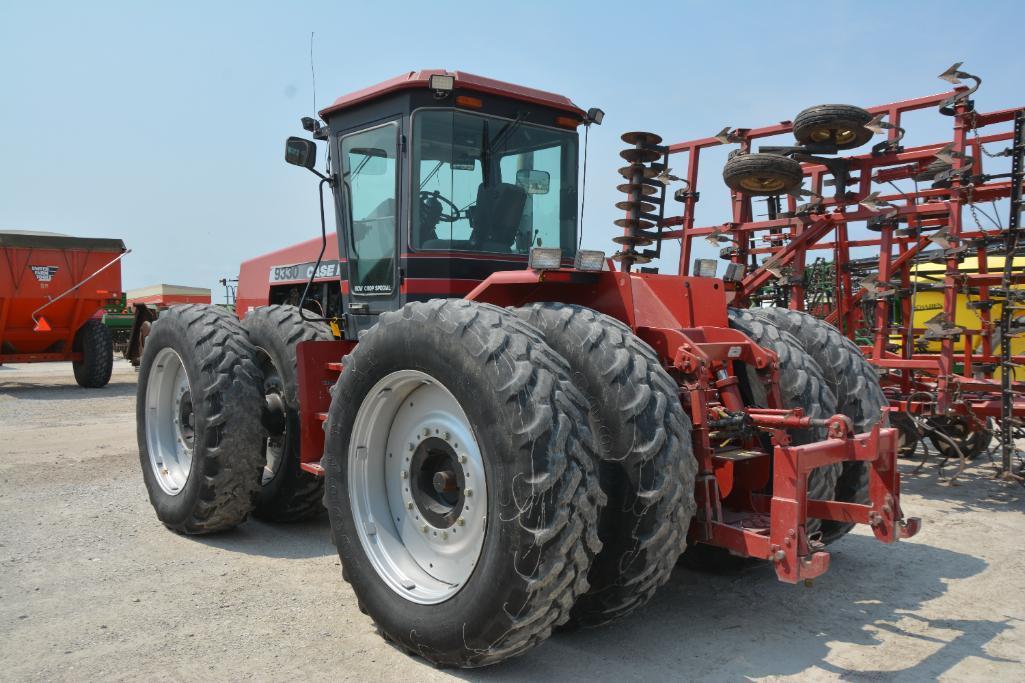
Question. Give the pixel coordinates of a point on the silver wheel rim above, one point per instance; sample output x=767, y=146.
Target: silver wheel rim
x=423, y=541
x=170, y=422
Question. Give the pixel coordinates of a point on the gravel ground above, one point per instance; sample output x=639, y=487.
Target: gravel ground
x=93, y=587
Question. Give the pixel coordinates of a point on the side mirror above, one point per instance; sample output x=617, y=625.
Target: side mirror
x=534, y=182
x=301, y=152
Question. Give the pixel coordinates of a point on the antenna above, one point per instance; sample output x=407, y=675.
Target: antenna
x=313, y=73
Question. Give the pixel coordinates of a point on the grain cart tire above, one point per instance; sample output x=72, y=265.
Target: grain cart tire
x=94, y=342
x=646, y=461
x=971, y=443
x=288, y=493
x=854, y=382
x=762, y=175
x=833, y=124
x=461, y=483
x=198, y=423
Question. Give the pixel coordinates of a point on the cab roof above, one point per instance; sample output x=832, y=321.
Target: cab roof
x=464, y=81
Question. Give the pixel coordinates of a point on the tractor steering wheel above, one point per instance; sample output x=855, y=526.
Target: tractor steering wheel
x=436, y=198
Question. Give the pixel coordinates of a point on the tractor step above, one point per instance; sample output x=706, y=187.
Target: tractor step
x=738, y=454
x=313, y=468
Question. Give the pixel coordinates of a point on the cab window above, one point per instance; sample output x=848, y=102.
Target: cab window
x=369, y=180
x=489, y=184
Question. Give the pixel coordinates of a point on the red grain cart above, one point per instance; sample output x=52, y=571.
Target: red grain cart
x=52, y=292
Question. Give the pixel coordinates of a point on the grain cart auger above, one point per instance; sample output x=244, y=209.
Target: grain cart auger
x=513, y=435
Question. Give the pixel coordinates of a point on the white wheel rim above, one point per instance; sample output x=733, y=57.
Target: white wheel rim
x=170, y=421
x=422, y=541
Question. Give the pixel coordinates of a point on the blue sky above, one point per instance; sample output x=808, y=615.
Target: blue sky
x=163, y=123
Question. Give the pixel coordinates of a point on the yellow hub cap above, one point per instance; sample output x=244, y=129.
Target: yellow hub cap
x=839, y=136
x=762, y=183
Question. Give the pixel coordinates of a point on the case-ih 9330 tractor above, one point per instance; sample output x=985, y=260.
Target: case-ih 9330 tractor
x=509, y=434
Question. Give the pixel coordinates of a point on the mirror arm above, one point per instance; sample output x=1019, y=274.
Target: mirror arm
x=330, y=182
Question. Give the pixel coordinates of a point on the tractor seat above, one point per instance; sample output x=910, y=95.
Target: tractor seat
x=495, y=218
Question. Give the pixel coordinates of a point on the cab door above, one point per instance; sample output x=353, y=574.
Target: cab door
x=371, y=206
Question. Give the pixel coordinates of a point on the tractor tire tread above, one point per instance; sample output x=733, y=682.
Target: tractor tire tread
x=855, y=383
x=802, y=385
x=300, y=495
x=644, y=446
x=229, y=388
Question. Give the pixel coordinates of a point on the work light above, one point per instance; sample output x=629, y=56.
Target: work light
x=442, y=82
x=705, y=267
x=542, y=258
x=589, y=260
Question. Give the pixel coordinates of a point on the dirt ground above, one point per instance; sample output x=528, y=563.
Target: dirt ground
x=92, y=587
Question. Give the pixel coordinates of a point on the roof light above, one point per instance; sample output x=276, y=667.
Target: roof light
x=705, y=267
x=442, y=83
x=594, y=115
x=467, y=101
x=589, y=260
x=545, y=258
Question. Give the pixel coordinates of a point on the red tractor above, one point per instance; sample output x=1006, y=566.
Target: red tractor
x=509, y=433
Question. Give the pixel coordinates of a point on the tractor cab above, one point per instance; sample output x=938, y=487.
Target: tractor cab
x=441, y=179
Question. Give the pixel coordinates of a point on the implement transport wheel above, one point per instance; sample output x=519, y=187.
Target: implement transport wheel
x=288, y=493
x=198, y=419
x=971, y=442
x=833, y=124
x=802, y=385
x=94, y=342
x=762, y=175
x=461, y=483
x=646, y=460
x=854, y=382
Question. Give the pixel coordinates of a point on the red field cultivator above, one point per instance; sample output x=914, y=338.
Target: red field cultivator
x=938, y=305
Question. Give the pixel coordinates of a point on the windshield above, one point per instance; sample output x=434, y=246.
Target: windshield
x=492, y=185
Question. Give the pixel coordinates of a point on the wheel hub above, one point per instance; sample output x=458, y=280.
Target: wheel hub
x=438, y=481
x=762, y=183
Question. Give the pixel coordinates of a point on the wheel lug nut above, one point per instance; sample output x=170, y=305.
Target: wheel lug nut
x=462, y=459
x=409, y=505
x=461, y=522
x=447, y=435
x=425, y=528
x=444, y=535
x=405, y=474
x=427, y=431
x=468, y=492
x=411, y=446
